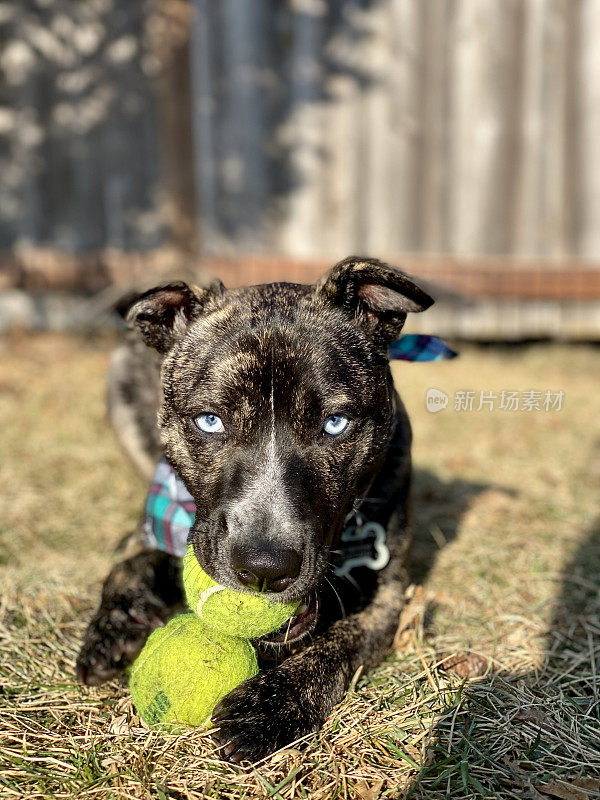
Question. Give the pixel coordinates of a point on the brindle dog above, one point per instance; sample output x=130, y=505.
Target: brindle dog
x=276, y=406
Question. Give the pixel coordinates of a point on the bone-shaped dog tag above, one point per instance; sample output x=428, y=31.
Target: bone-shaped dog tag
x=364, y=546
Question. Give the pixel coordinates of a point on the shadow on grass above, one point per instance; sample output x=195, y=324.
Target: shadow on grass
x=531, y=733
x=441, y=506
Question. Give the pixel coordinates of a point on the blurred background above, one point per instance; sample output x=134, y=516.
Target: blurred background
x=264, y=140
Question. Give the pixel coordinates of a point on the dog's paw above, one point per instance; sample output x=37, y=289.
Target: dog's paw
x=262, y=715
x=116, y=635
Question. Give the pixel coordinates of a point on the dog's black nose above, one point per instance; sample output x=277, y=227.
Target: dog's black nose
x=266, y=566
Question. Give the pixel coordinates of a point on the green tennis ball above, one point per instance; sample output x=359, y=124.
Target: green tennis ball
x=227, y=611
x=185, y=669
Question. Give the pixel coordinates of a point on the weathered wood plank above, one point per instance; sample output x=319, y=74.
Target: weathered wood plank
x=464, y=277
x=320, y=127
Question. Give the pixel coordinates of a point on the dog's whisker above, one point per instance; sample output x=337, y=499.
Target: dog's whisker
x=351, y=580
x=372, y=500
x=287, y=630
x=332, y=569
x=339, y=599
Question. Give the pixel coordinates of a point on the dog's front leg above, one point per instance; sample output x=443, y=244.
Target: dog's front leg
x=282, y=704
x=139, y=594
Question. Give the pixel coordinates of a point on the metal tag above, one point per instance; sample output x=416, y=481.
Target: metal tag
x=363, y=546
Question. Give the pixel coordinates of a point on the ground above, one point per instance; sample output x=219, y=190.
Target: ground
x=507, y=571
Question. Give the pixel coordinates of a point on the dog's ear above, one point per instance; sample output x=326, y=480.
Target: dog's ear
x=377, y=295
x=161, y=315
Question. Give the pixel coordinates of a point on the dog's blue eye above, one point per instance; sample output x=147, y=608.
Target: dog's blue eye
x=335, y=424
x=209, y=423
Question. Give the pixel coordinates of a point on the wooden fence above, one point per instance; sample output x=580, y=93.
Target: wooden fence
x=447, y=126
x=319, y=128
x=303, y=129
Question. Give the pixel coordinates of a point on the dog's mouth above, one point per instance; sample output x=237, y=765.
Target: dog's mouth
x=299, y=625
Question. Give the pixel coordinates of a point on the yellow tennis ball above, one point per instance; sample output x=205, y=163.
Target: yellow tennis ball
x=185, y=669
x=227, y=611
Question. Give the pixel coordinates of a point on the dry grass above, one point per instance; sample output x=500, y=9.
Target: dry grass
x=508, y=551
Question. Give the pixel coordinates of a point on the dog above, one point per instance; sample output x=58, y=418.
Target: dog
x=277, y=409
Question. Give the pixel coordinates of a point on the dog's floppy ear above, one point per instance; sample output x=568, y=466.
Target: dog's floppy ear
x=377, y=295
x=161, y=315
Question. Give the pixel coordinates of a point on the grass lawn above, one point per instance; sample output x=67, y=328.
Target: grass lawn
x=492, y=690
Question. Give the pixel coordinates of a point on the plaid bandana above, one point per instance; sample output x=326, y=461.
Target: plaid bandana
x=419, y=347
x=170, y=510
